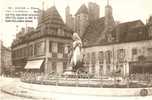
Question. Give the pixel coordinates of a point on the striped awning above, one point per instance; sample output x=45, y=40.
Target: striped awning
x=34, y=64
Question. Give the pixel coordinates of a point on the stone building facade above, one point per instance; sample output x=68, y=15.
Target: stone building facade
x=108, y=47
x=5, y=59
x=43, y=49
x=124, y=48
x=123, y=57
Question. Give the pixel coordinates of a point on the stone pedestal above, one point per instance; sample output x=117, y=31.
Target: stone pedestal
x=69, y=70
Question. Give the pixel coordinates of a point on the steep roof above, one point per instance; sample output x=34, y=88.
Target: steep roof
x=94, y=31
x=131, y=31
x=82, y=9
x=52, y=17
x=50, y=22
x=123, y=32
x=131, y=24
x=135, y=34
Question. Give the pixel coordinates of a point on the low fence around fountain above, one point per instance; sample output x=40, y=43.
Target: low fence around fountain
x=86, y=80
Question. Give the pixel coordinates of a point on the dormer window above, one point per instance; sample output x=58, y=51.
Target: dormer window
x=60, y=32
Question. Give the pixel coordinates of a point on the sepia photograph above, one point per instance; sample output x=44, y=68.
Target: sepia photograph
x=75, y=50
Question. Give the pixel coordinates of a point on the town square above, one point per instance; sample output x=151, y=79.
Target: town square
x=86, y=54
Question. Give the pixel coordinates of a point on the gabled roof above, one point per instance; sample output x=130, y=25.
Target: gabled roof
x=82, y=9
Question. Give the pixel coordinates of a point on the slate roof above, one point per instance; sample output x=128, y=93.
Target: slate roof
x=131, y=31
x=128, y=25
x=136, y=34
x=53, y=21
x=52, y=17
x=82, y=9
x=94, y=31
x=123, y=32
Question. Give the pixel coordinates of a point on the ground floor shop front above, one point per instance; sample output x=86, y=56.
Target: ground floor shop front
x=45, y=65
x=140, y=67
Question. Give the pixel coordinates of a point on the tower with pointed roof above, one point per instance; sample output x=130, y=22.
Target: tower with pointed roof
x=69, y=19
x=81, y=20
x=109, y=22
x=67, y=14
x=94, y=11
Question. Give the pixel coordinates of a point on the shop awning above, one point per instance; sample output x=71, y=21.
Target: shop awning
x=35, y=64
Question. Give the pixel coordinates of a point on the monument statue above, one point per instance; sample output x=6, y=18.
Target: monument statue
x=75, y=55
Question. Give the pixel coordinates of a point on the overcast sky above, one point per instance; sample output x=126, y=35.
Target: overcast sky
x=123, y=11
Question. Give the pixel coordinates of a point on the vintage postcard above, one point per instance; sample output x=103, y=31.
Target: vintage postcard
x=75, y=49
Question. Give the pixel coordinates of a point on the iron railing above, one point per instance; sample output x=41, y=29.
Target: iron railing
x=88, y=80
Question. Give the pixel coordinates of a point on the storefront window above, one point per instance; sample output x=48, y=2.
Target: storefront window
x=100, y=69
x=88, y=58
x=93, y=69
x=54, y=67
x=64, y=66
x=101, y=57
x=93, y=58
x=121, y=55
x=108, y=69
x=108, y=55
x=54, y=55
x=93, y=61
